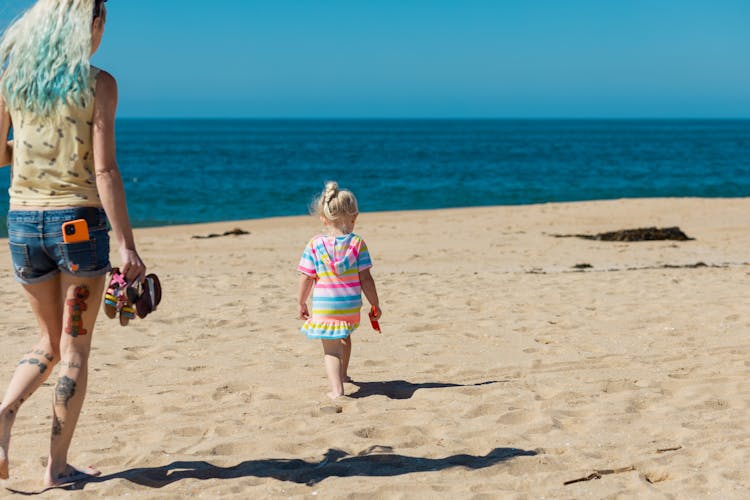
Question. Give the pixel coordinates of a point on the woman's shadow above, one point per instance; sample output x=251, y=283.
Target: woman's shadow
x=376, y=461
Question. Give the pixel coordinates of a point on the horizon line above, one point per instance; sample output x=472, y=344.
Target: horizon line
x=445, y=118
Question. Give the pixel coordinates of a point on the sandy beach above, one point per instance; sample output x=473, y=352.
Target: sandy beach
x=503, y=370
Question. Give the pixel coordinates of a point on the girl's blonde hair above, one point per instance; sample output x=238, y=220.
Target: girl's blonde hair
x=45, y=55
x=334, y=203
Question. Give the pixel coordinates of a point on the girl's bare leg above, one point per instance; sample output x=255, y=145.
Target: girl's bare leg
x=80, y=308
x=332, y=359
x=34, y=367
x=346, y=355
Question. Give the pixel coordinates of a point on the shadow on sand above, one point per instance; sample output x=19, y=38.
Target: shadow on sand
x=377, y=461
x=401, y=389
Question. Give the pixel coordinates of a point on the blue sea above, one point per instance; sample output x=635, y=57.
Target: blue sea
x=186, y=171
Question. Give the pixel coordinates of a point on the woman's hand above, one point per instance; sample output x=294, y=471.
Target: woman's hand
x=132, y=267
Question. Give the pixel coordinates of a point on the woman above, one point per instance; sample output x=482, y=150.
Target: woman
x=62, y=112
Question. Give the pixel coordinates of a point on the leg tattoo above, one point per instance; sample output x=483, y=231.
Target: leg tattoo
x=65, y=389
x=34, y=361
x=76, y=306
x=57, y=426
x=13, y=410
x=40, y=352
x=70, y=364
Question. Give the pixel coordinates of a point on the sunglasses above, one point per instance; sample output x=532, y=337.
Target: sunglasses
x=98, y=7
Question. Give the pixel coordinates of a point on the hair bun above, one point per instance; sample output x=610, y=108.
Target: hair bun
x=334, y=203
x=332, y=189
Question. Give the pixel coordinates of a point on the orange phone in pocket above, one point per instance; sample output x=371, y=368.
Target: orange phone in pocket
x=75, y=230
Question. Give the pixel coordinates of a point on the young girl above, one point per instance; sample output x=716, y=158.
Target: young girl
x=337, y=265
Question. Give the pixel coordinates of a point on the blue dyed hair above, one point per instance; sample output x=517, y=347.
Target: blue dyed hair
x=45, y=56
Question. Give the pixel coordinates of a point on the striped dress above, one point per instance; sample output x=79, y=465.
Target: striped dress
x=335, y=263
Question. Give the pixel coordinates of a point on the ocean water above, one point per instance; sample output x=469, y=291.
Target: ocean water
x=187, y=171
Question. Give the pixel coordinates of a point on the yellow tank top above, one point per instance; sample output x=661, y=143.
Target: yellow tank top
x=53, y=158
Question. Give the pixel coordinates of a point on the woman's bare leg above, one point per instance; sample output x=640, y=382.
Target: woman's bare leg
x=34, y=367
x=82, y=299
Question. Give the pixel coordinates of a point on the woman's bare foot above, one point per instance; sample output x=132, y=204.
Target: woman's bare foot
x=70, y=475
x=347, y=379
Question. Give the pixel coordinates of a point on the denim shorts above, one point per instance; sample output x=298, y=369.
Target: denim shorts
x=39, y=253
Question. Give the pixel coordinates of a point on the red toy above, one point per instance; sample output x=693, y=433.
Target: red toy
x=373, y=321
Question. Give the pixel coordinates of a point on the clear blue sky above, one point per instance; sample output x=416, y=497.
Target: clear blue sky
x=427, y=58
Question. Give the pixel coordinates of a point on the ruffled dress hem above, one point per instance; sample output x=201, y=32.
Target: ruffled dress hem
x=328, y=329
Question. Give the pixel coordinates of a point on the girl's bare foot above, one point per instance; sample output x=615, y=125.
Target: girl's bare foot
x=70, y=475
x=347, y=379
x=333, y=395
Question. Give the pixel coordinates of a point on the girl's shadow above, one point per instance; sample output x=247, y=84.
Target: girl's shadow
x=401, y=389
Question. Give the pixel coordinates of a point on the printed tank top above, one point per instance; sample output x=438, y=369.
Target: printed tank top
x=53, y=158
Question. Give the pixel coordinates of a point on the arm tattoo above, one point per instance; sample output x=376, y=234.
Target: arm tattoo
x=65, y=389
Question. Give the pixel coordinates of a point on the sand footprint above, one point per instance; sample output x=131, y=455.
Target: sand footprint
x=368, y=433
x=189, y=432
x=480, y=411
x=612, y=386
x=226, y=390
x=423, y=328
x=326, y=410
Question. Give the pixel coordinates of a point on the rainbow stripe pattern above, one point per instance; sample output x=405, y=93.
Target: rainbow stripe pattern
x=335, y=263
